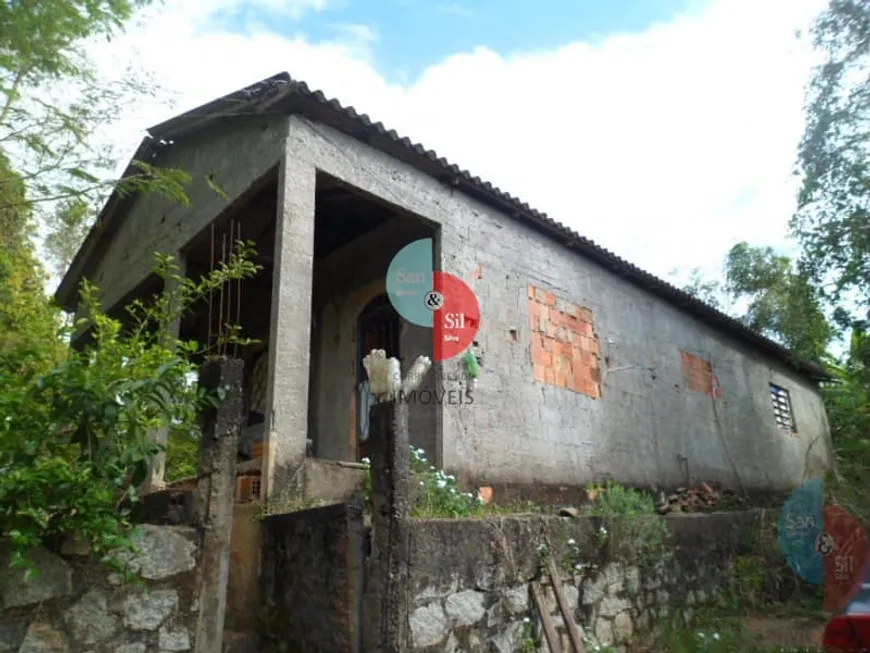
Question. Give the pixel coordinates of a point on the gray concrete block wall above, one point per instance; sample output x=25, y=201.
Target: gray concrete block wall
x=235, y=156
x=647, y=427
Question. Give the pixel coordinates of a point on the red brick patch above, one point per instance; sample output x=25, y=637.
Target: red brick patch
x=698, y=375
x=564, y=347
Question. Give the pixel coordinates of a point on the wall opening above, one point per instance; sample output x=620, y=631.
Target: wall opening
x=245, y=305
x=378, y=327
x=356, y=236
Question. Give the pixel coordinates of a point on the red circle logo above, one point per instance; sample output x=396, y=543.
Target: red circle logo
x=455, y=313
x=844, y=551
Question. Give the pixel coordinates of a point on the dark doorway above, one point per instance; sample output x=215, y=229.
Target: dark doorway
x=377, y=328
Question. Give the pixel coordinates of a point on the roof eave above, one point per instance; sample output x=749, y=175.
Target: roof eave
x=67, y=293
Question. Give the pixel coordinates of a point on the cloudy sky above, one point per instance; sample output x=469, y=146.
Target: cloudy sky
x=665, y=130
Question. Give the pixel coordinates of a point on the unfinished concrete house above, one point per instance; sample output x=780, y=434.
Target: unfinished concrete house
x=592, y=369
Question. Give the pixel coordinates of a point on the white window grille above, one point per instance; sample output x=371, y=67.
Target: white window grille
x=782, y=408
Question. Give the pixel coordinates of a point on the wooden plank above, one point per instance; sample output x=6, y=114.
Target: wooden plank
x=565, y=609
x=549, y=627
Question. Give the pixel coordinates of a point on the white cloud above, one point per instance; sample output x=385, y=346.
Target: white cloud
x=454, y=9
x=355, y=40
x=356, y=32
x=665, y=146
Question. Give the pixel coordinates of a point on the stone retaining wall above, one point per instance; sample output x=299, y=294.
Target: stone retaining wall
x=471, y=579
x=75, y=605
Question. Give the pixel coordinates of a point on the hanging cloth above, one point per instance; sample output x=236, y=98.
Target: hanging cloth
x=365, y=403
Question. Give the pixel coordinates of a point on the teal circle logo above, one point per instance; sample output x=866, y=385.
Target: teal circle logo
x=801, y=522
x=435, y=300
x=410, y=281
x=824, y=544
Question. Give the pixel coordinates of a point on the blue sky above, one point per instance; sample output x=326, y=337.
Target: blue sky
x=414, y=34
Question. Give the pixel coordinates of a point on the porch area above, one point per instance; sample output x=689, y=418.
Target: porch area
x=317, y=305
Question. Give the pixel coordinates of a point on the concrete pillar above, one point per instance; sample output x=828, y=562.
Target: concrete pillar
x=387, y=603
x=215, y=497
x=286, y=432
x=157, y=477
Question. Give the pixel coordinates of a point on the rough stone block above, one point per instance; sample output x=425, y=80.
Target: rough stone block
x=173, y=639
x=147, y=610
x=429, y=625
x=466, y=608
x=133, y=647
x=623, y=628
x=516, y=600
x=12, y=631
x=89, y=619
x=163, y=551
x=43, y=638
x=53, y=580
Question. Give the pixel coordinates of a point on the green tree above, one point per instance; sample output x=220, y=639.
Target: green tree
x=832, y=224
x=66, y=230
x=709, y=291
x=74, y=425
x=775, y=297
x=833, y=219
x=782, y=302
x=28, y=323
x=53, y=102
x=44, y=38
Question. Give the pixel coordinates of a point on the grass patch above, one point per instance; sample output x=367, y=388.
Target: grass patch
x=712, y=633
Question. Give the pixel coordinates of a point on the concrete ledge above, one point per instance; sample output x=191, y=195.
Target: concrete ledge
x=331, y=481
x=497, y=550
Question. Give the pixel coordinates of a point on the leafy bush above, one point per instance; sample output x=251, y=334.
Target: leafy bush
x=74, y=439
x=630, y=529
x=435, y=494
x=438, y=494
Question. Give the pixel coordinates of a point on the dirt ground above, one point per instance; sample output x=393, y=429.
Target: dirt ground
x=785, y=632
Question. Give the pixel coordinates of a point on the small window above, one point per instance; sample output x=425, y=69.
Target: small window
x=782, y=408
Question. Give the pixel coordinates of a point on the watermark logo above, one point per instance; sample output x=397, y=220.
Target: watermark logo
x=438, y=397
x=824, y=545
x=454, y=392
x=436, y=300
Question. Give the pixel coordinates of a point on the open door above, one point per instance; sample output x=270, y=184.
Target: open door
x=377, y=328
